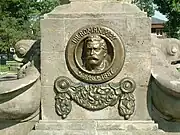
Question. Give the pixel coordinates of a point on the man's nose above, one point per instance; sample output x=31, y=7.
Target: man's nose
x=92, y=52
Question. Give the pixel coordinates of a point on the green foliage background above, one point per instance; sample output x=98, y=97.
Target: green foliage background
x=170, y=8
x=20, y=19
x=146, y=6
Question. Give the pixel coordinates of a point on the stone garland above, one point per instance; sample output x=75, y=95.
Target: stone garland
x=94, y=97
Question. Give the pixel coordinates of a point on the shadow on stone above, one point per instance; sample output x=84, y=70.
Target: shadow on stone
x=165, y=123
x=149, y=98
x=7, y=124
x=8, y=96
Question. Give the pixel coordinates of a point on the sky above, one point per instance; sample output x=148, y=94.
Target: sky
x=160, y=16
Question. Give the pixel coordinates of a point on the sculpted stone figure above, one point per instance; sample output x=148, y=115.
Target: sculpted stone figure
x=20, y=95
x=165, y=84
x=95, y=56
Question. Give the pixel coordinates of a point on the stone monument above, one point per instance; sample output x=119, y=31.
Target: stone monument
x=95, y=69
x=97, y=57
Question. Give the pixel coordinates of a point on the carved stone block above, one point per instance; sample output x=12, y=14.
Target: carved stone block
x=94, y=97
x=110, y=29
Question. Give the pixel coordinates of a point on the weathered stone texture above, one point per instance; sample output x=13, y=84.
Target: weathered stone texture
x=127, y=21
x=52, y=34
x=96, y=127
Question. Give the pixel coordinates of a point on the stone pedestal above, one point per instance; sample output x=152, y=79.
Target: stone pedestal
x=133, y=27
x=130, y=24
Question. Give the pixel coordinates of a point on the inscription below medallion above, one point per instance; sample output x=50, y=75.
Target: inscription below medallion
x=95, y=54
x=92, y=77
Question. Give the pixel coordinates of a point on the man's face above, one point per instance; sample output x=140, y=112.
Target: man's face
x=95, y=53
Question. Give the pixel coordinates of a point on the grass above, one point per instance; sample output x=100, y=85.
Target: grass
x=4, y=68
x=10, y=67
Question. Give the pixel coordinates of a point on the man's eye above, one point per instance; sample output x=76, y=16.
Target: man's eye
x=89, y=49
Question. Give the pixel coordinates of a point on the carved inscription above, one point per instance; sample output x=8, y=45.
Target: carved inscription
x=91, y=77
x=95, y=54
x=93, y=30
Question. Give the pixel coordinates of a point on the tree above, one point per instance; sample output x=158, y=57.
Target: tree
x=170, y=8
x=19, y=19
x=146, y=6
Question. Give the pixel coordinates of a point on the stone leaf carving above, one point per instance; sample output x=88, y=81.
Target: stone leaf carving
x=94, y=97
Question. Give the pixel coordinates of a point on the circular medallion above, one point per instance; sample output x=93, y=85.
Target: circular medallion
x=95, y=54
x=62, y=84
x=127, y=85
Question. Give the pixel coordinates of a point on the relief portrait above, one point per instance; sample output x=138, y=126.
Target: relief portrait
x=95, y=55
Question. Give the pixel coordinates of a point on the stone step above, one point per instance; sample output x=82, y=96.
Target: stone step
x=99, y=132
x=96, y=125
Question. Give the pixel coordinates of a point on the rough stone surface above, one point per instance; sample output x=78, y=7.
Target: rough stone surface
x=129, y=23
x=100, y=133
x=104, y=8
x=95, y=127
x=20, y=99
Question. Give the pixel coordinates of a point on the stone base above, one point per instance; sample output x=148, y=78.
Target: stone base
x=96, y=127
x=112, y=132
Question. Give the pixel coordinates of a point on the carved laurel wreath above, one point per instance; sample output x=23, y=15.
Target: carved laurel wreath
x=94, y=97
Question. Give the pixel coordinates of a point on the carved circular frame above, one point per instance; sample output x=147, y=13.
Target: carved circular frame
x=74, y=53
